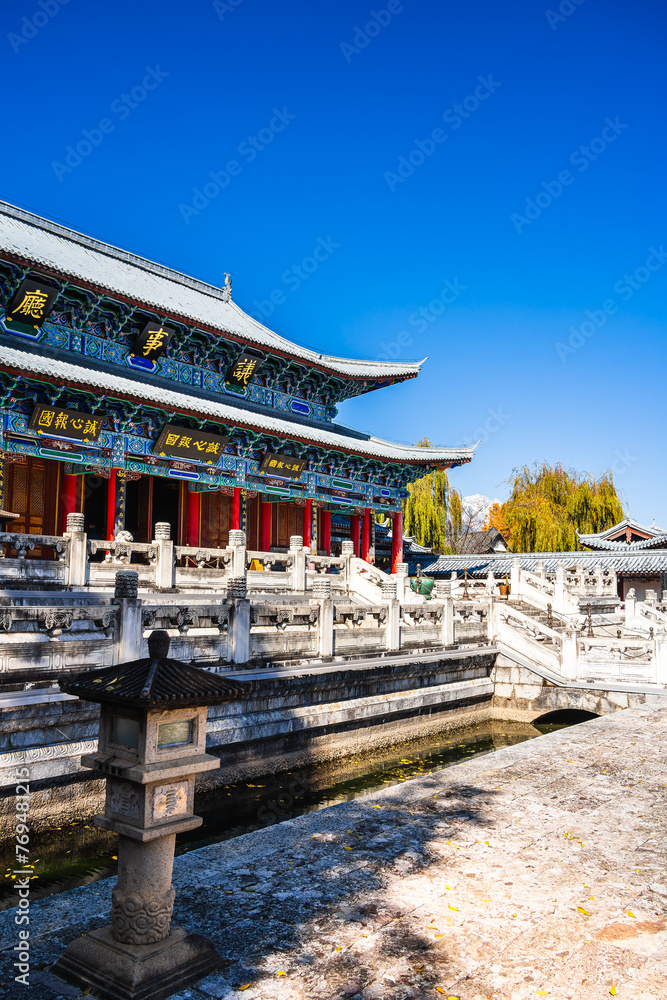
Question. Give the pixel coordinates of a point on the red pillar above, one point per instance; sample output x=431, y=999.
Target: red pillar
x=192, y=520
x=111, y=506
x=265, y=527
x=365, y=535
x=68, y=496
x=396, y=540
x=235, y=514
x=326, y=531
x=354, y=532
x=308, y=524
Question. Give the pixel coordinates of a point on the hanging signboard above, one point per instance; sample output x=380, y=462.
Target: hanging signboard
x=245, y=366
x=183, y=442
x=32, y=303
x=65, y=423
x=283, y=465
x=153, y=341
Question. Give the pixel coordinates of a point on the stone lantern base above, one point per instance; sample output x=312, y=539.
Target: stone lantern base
x=115, y=971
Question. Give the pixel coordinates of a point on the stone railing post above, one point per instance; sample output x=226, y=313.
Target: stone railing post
x=322, y=597
x=630, y=608
x=79, y=566
x=393, y=630
x=515, y=578
x=661, y=658
x=559, y=589
x=298, y=555
x=347, y=552
x=237, y=544
x=490, y=583
x=165, y=566
x=569, y=654
x=402, y=583
x=444, y=594
x=581, y=576
x=239, y=620
x=130, y=627
x=651, y=598
x=599, y=581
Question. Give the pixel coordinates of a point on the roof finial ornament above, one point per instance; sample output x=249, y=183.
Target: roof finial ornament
x=227, y=287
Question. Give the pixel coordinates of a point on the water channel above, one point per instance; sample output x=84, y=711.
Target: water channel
x=78, y=853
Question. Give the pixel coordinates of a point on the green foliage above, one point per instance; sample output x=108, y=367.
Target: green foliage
x=432, y=513
x=548, y=506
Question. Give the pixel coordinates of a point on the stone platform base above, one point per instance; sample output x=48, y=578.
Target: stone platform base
x=96, y=962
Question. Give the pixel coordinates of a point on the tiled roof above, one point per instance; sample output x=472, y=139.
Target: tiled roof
x=122, y=387
x=155, y=681
x=596, y=539
x=655, y=542
x=478, y=565
x=34, y=239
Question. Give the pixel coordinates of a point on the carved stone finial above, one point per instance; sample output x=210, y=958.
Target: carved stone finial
x=162, y=531
x=237, y=537
x=126, y=583
x=158, y=644
x=75, y=522
x=322, y=588
x=347, y=548
x=237, y=586
x=296, y=541
x=389, y=589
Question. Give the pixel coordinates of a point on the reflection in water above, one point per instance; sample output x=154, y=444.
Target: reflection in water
x=78, y=853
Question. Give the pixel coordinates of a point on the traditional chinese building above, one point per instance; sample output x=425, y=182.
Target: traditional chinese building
x=136, y=394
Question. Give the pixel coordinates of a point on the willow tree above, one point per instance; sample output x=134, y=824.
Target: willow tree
x=432, y=512
x=549, y=505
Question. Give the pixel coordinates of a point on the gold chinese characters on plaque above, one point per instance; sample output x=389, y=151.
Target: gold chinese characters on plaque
x=283, y=465
x=32, y=303
x=71, y=424
x=195, y=445
x=244, y=368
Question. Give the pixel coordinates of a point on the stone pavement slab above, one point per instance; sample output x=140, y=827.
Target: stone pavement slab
x=539, y=870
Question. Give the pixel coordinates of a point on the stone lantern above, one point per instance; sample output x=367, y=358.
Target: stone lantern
x=152, y=742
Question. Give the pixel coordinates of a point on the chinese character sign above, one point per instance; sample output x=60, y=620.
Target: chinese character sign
x=32, y=303
x=183, y=442
x=283, y=465
x=65, y=423
x=153, y=341
x=243, y=369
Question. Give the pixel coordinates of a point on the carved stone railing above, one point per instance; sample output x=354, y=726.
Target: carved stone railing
x=191, y=556
x=269, y=559
x=280, y=617
x=350, y=616
x=212, y=617
x=42, y=558
x=123, y=553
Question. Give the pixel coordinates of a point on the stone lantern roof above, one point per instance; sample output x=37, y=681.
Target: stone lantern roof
x=154, y=682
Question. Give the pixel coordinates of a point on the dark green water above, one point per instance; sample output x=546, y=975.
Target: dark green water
x=78, y=853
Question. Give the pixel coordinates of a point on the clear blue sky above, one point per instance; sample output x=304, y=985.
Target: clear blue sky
x=351, y=104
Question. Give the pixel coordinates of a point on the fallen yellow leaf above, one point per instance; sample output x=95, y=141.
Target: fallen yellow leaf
x=582, y=910
x=453, y=907
x=612, y=991
x=246, y=987
x=448, y=887
x=420, y=968
x=281, y=973
x=631, y=914
x=439, y=935
x=542, y=993
x=347, y=848
x=338, y=947
x=440, y=989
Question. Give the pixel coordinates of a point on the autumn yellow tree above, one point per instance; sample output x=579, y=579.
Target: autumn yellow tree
x=549, y=505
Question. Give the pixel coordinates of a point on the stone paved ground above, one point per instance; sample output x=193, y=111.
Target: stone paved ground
x=537, y=871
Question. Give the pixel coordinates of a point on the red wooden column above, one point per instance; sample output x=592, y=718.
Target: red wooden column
x=354, y=532
x=396, y=540
x=308, y=524
x=111, y=506
x=265, y=527
x=235, y=513
x=192, y=519
x=326, y=531
x=365, y=535
x=68, y=499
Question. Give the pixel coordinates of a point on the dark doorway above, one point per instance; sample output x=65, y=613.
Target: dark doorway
x=95, y=491
x=148, y=500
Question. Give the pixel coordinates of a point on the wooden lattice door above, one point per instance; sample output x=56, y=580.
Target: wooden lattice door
x=215, y=516
x=32, y=492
